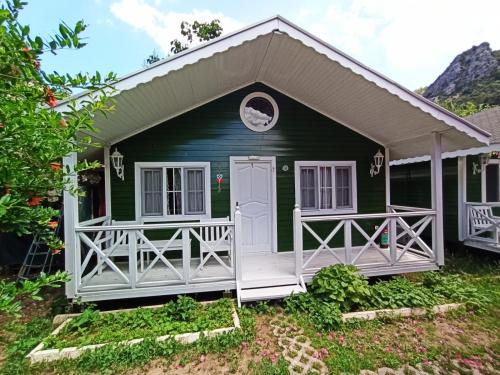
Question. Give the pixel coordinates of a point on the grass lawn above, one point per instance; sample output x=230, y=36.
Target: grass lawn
x=181, y=316
x=463, y=337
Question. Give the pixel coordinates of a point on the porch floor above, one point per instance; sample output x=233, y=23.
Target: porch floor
x=483, y=245
x=270, y=267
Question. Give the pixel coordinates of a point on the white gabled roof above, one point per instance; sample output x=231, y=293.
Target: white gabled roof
x=294, y=62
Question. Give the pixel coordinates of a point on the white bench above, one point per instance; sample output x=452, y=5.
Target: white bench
x=482, y=220
x=213, y=235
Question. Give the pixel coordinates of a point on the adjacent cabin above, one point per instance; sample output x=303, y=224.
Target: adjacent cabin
x=472, y=187
x=249, y=163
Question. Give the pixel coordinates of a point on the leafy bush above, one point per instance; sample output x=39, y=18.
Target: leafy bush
x=453, y=288
x=399, y=292
x=342, y=285
x=10, y=292
x=325, y=316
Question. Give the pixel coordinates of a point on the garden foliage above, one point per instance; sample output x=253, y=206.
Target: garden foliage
x=180, y=316
x=34, y=136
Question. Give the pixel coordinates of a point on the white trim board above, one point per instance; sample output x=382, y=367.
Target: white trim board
x=256, y=159
x=449, y=155
x=483, y=178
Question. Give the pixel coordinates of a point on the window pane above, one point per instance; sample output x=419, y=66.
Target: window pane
x=325, y=187
x=308, y=187
x=152, y=199
x=492, y=188
x=195, y=202
x=174, y=191
x=343, y=187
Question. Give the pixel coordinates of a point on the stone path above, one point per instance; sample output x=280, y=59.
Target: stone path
x=486, y=365
x=296, y=348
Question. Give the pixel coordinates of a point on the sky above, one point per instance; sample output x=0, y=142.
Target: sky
x=411, y=42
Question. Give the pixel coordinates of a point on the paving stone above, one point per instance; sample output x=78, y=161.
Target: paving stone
x=296, y=349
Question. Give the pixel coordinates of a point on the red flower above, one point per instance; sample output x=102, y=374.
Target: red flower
x=35, y=201
x=55, y=166
x=51, y=99
x=56, y=251
x=53, y=224
x=63, y=123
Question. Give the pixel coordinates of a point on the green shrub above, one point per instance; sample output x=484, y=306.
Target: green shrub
x=324, y=316
x=399, y=292
x=452, y=288
x=342, y=285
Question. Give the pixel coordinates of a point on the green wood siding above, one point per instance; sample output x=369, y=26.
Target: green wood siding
x=473, y=180
x=214, y=132
x=411, y=186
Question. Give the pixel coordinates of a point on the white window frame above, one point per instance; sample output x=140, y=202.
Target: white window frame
x=483, y=179
x=333, y=165
x=138, y=166
x=269, y=98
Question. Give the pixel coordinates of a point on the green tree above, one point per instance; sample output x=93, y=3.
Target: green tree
x=203, y=31
x=461, y=109
x=34, y=136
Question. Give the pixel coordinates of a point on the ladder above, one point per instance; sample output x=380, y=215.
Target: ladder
x=39, y=257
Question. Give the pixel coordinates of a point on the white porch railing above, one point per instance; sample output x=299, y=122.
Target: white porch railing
x=355, y=239
x=147, y=255
x=482, y=224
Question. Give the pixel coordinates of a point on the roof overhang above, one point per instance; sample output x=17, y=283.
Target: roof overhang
x=294, y=62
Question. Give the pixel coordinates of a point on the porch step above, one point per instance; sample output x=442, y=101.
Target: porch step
x=268, y=282
x=273, y=292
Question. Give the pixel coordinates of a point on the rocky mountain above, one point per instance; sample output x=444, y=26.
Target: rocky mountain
x=474, y=75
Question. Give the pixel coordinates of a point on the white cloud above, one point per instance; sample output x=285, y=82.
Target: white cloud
x=409, y=39
x=164, y=26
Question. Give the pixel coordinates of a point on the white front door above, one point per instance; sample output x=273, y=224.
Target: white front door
x=253, y=189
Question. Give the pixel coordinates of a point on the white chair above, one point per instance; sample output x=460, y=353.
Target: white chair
x=145, y=249
x=212, y=234
x=109, y=241
x=482, y=219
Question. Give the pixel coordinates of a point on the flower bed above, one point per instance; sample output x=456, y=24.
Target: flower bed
x=184, y=320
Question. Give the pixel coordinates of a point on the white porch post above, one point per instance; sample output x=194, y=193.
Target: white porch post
x=387, y=179
x=297, y=240
x=237, y=244
x=437, y=197
x=71, y=242
x=107, y=181
x=463, y=223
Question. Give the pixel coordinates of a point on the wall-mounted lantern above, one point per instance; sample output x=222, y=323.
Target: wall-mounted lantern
x=378, y=161
x=117, y=160
x=484, y=159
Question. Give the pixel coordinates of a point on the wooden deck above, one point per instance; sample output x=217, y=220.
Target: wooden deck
x=483, y=245
x=257, y=270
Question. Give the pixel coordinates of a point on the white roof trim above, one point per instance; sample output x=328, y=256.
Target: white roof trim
x=448, y=155
x=280, y=24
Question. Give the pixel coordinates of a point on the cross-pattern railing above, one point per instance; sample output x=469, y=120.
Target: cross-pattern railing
x=122, y=256
x=367, y=240
x=482, y=223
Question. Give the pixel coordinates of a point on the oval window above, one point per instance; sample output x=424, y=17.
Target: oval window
x=259, y=112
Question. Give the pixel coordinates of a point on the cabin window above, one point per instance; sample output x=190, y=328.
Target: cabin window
x=172, y=190
x=324, y=187
x=491, y=182
x=259, y=111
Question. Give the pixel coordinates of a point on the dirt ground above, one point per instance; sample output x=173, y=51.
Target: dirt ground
x=236, y=361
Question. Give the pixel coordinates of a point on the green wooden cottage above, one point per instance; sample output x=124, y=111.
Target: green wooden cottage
x=249, y=163
x=472, y=187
